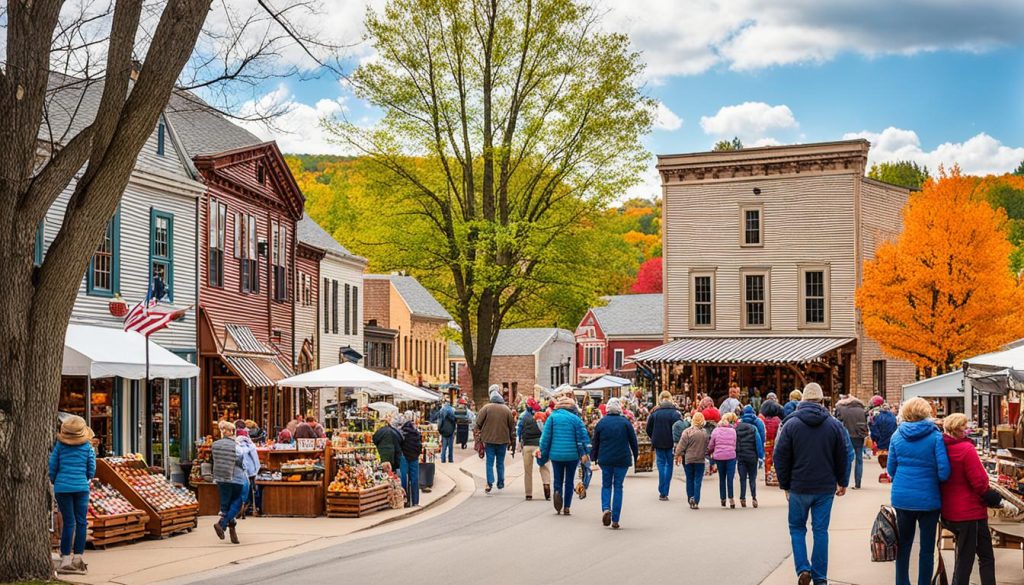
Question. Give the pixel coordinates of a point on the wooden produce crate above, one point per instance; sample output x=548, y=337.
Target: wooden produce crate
x=358, y=504
x=116, y=529
x=644, y=459
x=160, y=523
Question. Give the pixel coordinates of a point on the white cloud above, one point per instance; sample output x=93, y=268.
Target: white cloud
x=666, y=119
x=298, y=129
x=979, y=155
x=752, y=122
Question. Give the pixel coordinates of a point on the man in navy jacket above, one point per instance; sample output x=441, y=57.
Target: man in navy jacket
x=659, y=429
x=812, y=465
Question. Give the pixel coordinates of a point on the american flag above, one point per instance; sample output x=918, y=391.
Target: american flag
x=147, y=318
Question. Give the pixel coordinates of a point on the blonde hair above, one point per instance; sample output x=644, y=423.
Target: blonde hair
x=728, y=418
x=796, y=395
x=916, y=409
x=227, y=429
x=955, y=424
x=665, y=396
x=697, y=420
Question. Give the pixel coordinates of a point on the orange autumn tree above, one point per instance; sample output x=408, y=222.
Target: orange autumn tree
x=943, y=291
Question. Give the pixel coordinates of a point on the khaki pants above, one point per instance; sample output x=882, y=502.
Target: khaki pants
x=529, y=457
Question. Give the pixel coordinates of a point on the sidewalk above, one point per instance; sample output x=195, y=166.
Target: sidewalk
x=849, y=533
x=200, y=551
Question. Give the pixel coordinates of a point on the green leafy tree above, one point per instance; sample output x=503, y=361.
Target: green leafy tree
x=507, y=126
x=904, y=173
x=725, y=145
x=1019, y=171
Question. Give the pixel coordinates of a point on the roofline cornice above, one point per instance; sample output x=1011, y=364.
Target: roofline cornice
x=844, y=157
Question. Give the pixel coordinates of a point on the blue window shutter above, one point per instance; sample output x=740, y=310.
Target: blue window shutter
x=37, y=251
x=160, y=132
x=168, y=259
x=114, y=232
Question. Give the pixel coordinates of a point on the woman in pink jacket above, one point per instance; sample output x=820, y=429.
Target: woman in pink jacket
x=963, y=511
x=722, y=449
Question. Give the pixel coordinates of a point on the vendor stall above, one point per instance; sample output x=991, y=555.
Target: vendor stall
x=293, y=480
x=170, y=508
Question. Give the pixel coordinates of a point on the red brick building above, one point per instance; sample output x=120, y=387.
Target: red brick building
x=608, y=336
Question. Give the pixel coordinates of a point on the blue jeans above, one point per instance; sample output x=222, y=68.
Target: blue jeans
x=726, y=475
x=232, y=496
x=663, y=460
x=73, y=507
x=858, y=461
x=694, y=479
x=906, y=523
x=496, y=461
x=819, y=506
x=448, y=449
x=564, y=472
x=410, y=471
x=748, y=473
x=611, y=489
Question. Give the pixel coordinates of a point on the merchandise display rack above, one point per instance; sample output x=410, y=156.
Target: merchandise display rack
x=160, y=523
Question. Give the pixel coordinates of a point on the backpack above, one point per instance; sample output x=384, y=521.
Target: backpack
x=447, y=425
x=884, y=536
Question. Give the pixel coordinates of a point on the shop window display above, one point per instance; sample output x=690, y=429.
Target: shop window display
x=74, y=400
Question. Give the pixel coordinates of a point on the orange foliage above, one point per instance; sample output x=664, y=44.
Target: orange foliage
x=943, y=291
x=643, y=242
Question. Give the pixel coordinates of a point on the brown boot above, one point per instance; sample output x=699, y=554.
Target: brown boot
x=547, y=491
x=232, y=533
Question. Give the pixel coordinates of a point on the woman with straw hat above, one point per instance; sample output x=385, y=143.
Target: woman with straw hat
x=72, y=465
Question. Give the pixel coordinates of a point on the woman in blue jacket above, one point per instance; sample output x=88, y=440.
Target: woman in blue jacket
x=72, y=465
x=917, y=465
x=615, y=449
x=564, y=442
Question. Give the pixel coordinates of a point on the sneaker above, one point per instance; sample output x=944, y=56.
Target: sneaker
x=804, y=578
x=606, y=518
x=663, y=498
x=66, y=566
x=691, y=502
x=558, y=503
x=219, y=530
x=79, y=565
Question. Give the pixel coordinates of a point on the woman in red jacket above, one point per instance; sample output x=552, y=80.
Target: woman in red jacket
x=963, y=511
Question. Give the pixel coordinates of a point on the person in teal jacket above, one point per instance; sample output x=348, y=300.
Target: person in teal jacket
x=918, y=463
x=564, y=442
x=72, y=466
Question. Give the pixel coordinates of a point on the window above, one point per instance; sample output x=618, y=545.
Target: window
x=751, y=225
x=756, y=307
x=355, y=310
x=278, y=259
x=702, y=295
x=37, y=250
x=246, y=250
x=334, y=306
x=814, y=297
x=348, y=313
x=878, y=377
x=217, y=224
x=261, y=173
x=160, y=131
x=620, y=356
x=161, y=249
x=592, y=356
x=327, y=306
x=103, y=275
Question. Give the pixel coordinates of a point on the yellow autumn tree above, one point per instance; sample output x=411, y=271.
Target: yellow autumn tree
x=943, y=291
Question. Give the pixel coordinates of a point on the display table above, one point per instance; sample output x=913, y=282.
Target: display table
x=303, y=499
x=1008, y=535
x=209, y=498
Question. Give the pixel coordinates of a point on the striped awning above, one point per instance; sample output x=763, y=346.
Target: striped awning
x=242, y=339
x=741, y=350
x=257, y=372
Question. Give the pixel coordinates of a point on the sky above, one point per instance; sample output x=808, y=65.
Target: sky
x=933, y=81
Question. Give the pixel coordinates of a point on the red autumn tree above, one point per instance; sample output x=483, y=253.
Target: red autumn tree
x=648, y=277
x=943, y=291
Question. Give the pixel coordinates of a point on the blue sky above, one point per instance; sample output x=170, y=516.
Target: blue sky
x=935, y=81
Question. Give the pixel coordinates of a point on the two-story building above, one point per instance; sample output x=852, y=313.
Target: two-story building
x=764, y=249
x=609, y=335
x=525, y=357
x=400, y=303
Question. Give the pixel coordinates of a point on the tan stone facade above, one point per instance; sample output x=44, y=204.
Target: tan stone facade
x=421, y=351
x=514, y=373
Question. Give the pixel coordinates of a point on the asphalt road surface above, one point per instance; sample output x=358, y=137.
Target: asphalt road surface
x=501, y=538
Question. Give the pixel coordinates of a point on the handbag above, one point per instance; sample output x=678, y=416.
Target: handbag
x=884, y=536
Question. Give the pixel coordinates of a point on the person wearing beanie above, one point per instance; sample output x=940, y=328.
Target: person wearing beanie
x=722, y=448
x=659, y=429
x=388, y=440
x=882, y=427
x=230, y=475
x=771, y=407
x=771, y=418
x=615, y=448
x=794, y=400
x=691, y=450
x=529, y=431
x=285, y=436
x=564, y=442
x=72, y=466
x=812, y=466
x=749, y=452
x=497, y=426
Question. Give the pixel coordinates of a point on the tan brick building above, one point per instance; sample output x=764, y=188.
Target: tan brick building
x=524, y=357
x=764, y=249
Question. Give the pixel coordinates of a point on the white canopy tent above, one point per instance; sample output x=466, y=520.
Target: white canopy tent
x=607, y=381
x=385, y=408
x=350, y=375
x=105, y=352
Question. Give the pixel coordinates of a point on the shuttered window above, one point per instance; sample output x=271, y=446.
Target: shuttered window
x=334, y=305
x=103, y=275
x=161, y=249
x=278, y=260
x=348, y=314
x=248, y=265
x=216, y=225
x=327, y=305
x=355, y=310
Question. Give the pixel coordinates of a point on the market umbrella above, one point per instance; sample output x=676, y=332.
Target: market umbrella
x=607, y=382
x=385, y=408
x=349, y=375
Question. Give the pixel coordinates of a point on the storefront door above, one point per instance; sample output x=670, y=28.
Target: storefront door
x=161, y=441
x=96, y=404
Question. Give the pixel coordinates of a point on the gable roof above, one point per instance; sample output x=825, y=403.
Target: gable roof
x=527, y=341
x=311, y=234
x=626, y=315
x=201, y=129
x=418, y=299
x=455, y=351
x=230, y=167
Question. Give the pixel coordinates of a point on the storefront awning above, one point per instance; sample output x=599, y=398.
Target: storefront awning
x=949, y=385
x=741, y=350
x=257, y=372
x=105, y=352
